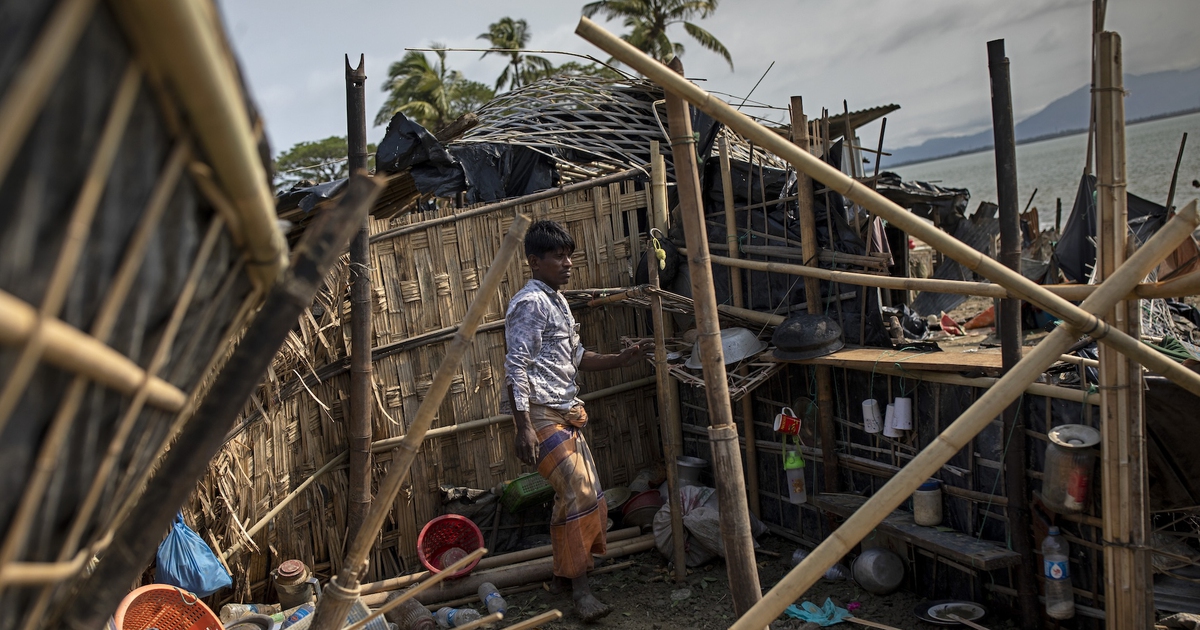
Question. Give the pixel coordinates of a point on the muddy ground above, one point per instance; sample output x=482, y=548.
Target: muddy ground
x=644, y=597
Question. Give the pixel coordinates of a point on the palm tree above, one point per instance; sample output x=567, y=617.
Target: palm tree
x=649, y=19
x=430, y=94
x=513, y=35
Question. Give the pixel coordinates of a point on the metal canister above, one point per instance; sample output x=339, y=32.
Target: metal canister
x=293, y=584
x=1070, y=457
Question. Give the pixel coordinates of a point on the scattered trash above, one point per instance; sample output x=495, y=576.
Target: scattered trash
x=826, y=615
x=681, y=594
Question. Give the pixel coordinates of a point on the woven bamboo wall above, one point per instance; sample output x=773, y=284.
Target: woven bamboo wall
x=423, y=282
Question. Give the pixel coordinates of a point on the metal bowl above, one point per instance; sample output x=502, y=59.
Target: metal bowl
x=878, y=570
x=736, y=344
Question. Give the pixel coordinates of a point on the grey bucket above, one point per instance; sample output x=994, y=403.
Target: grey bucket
x=690, y=469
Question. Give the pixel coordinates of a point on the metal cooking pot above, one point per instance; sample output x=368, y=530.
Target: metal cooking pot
x=806, y=336
x=878, y=570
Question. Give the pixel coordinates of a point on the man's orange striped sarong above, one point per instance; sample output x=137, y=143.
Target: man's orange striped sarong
x=580, y=516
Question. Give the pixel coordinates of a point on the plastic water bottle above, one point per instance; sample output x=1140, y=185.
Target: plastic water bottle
x=448, y=617
x=1060, y=600
x=360, y=611
x=492, y=599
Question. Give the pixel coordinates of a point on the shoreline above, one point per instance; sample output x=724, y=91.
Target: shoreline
x=1044, y=137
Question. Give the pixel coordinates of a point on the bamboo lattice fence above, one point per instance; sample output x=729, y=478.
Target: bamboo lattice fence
x=423, y=281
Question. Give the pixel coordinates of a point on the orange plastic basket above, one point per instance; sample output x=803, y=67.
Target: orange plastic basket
x=164, y=607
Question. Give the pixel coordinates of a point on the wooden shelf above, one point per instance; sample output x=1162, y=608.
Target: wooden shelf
x=984, y=555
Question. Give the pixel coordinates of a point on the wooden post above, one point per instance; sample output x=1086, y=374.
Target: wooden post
x=739, y=301
x=668, y=393
x=1009, y=321
x=727, y=456
x=1129, y=603
x=359, y=429
x=812, y=293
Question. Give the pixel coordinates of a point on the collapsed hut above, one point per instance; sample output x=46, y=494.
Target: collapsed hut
x=576, y=150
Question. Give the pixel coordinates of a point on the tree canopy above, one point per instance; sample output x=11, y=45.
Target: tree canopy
x=512, y=36
x=648, y=21
x=317, y=161
x=429, y=93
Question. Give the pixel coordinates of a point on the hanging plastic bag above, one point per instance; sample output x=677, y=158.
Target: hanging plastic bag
x=186, y=561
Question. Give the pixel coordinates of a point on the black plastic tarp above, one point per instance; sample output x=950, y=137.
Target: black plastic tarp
x=1076, y=251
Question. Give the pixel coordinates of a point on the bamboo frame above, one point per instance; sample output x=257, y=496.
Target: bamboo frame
x=988, y=406
x=1073, y=316
x=38, y=75
x=345, y=585
x=182, y=42
x=33, y=344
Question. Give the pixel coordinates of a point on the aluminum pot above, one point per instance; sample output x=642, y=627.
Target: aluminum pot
x=878, y=570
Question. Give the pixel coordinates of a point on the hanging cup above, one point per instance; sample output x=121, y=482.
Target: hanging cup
x=872, y=419
x=904, y=414
x=889, y=423
x=787, y=422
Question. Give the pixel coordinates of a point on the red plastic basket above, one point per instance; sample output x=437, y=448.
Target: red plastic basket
x=443, y=534
x=164, y=607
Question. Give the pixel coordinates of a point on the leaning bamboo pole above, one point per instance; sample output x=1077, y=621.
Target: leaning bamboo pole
x=1123, y=474
x=667, y=389
x=1081, y=320
x=418, y=589
x=722, y=434
x=343, y=588
x=735, y=290
x=812, y=293
x=1072, y=316
x=180, y=39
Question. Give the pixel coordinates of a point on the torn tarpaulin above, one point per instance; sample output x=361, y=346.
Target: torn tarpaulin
x=1076, y=249
x=408, y=146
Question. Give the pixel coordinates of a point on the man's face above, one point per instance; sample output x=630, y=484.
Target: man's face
x=554, y=268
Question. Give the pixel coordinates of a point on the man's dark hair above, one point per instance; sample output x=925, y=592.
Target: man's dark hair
x=544, y=237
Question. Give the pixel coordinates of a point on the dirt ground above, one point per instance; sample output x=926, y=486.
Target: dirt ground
x=644, y=597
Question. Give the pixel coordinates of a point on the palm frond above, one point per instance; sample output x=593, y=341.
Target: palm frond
x=708, y=41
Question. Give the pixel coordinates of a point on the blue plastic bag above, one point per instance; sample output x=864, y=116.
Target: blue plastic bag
x=185, y=560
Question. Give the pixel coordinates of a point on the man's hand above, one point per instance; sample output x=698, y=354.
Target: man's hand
x=633, y=354
x=526, y=443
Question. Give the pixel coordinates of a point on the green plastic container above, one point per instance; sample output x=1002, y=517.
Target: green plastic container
x=524, y=491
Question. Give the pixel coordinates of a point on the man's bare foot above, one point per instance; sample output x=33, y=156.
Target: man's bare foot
x=586, y=605
x=589, y=608
x=559, y=585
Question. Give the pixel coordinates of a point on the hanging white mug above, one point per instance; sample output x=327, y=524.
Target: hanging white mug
x=889, y=423
x=872, y=419
x=904, y=414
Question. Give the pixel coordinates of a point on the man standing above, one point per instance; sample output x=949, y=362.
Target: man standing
x=544, y=357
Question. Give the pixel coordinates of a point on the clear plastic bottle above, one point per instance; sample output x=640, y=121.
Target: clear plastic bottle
x=1060, y=600
x=492, y=599
x=411, y=615
x=448, y=617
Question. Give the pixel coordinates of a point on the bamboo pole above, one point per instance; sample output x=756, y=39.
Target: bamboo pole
x=727, y=464
x=667, y=389
x=343, y=588
x=812, y=294
x=182, y=41
x=28, y=90
x=1082, y=320
x=1075, y=317
x=735, y=291
x=137, y=536
x=1128, y=604
x=359, y=428
x=1009, y=321
x=533, y=622
x=418, y=589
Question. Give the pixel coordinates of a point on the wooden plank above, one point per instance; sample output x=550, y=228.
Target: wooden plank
x=967, y=550
x=986, y=360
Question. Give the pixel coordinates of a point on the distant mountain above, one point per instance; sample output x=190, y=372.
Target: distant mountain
x=1149, y=95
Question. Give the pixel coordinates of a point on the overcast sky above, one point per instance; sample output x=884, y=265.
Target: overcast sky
x=929, y=56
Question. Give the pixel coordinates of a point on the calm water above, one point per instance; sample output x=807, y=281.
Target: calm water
x=1053, y=167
